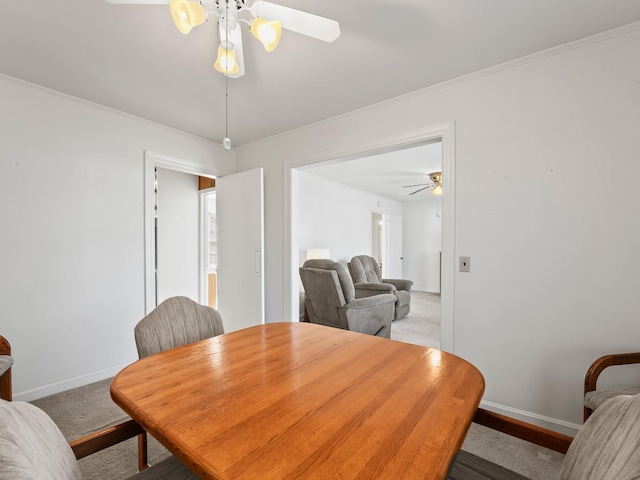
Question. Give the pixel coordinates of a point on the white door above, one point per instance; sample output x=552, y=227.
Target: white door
x=394, y=245
x=240, y=227
x=177, y=235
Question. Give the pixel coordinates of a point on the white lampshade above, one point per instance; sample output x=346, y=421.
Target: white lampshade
x=226, y=62
x=318, y=253
x=267, y=32
x=187, y=15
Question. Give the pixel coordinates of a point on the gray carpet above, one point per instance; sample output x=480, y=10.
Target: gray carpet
x=422, y=325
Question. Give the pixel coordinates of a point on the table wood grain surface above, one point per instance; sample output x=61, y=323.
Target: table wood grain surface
x=304, y=401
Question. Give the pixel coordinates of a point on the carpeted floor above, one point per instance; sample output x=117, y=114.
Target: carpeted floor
x=422, y=325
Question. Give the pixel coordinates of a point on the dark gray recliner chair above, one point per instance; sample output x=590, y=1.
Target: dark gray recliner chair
x=330, y=300
x=368, y=281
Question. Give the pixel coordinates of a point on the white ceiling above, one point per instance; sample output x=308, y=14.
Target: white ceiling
x=131, y=57
x=387, y=173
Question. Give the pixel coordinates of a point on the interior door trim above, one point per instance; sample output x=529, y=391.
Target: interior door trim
x=151, y=162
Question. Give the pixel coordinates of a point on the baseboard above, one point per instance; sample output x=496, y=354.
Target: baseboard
x=565, y=428
x=53, y=388
x=526, y=431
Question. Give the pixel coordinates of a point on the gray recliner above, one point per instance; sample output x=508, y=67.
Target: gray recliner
x=175, y=322
x=330, y=300
x=367, y=280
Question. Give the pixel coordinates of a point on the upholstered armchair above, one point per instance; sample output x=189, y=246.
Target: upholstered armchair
x=368, y=281
x=594, y=397
x=330, y=300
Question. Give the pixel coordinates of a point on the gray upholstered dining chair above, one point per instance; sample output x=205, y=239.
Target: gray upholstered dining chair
x=593, y=396
x=367, y=280
x=32, y=447
x=6, y=362
x=607, y=447
x=175, y=322
x=330, y=300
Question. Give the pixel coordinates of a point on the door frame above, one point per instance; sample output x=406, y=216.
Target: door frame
x=151, y=162
x=445, y=132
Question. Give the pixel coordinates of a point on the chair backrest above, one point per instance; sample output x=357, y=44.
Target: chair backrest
x=607, y=446
x=175, y=322
x=327, y=286
x=365, y=269
x=32, y=447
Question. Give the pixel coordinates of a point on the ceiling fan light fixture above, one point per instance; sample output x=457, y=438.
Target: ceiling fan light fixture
x=226, y=62
x=436, y=178
x=267, y=31
x=186, y=14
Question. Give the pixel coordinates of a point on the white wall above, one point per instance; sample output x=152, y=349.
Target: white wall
x=546, y=204
x=335, y=216
x=72, y=233
x=338, y=217
x=422, y=242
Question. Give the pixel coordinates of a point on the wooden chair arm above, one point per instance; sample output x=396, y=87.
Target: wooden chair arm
x=111, y=436
x=6, y=390
x=596, y=368
x=5, y=348
x=523, y=430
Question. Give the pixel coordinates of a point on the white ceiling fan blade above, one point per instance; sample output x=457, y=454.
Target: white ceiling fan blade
x=139, y=2
x=298, y=21
x=235, y=37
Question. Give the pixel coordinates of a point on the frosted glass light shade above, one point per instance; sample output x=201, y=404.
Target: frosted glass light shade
x=226, y=62
x=186, y=15
x=318, y=253
x=268, y=32
x=437, y=190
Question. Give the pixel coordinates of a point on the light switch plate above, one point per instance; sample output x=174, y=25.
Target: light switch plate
x=465, y=264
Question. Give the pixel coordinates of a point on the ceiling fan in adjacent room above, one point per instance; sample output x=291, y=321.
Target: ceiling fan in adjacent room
x=265, y=21
x=436, y=184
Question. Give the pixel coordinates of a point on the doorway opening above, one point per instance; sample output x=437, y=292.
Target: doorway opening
x=209, y=247
x=443, y=133
x=153, y=162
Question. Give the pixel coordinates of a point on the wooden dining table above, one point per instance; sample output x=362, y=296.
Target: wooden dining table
x=304, y=401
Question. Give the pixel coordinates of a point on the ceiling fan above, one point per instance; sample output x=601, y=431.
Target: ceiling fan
x=436, y=183
x=265, y=20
